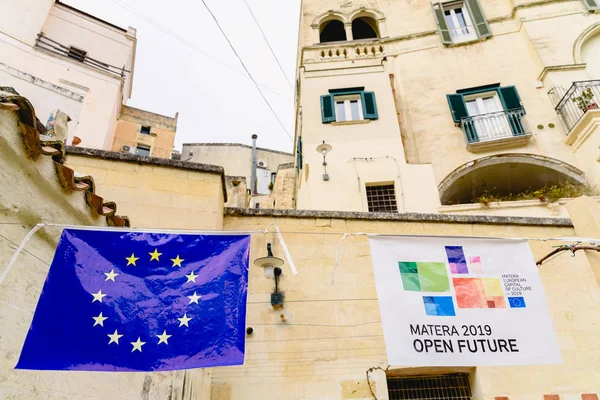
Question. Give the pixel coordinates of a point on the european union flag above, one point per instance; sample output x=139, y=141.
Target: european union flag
x=134, y=301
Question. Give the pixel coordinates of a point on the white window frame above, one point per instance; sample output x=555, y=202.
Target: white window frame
x=478, y=97
x=460, y=34
x=490, y=125
x=347, y=107
x=143, y=146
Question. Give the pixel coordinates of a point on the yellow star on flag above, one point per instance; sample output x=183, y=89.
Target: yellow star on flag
x=184, y=320
x=99, y=320
x=163, y=338
x=194, y=298
x=155, y=255
x=114, y=338
x=137, y=345
x=191, y=277
x=177, y=261
x=110, y=276
x=98, y=296
x=131, y=260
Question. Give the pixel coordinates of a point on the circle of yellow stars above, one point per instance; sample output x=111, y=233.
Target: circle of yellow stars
x=162, y=338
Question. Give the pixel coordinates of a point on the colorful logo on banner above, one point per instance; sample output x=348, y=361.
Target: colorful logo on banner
x=470, y=292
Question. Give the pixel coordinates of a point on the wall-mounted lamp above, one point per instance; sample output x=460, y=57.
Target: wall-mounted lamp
x=269, y=263
x=324, y=149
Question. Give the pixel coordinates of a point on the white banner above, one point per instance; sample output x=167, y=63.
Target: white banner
x=461, y=302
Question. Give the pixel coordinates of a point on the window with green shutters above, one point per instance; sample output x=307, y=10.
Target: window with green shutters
x=488, y=112
x=461, y=21
x=345, y=105
x=592, y=5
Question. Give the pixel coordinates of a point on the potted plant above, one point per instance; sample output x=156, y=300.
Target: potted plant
x=585, y=100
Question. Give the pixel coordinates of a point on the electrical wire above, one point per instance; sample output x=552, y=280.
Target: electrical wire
x=191, y=45
x=247, y=71
x=269, y=45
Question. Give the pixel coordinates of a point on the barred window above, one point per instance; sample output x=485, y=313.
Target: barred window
x=430, y=387
x=382, y=198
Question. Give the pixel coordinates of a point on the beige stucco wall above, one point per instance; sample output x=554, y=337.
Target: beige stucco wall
x=235, y=158
x=91, y=98
x=533, y=39
x=26, y=18
x=156, y=196
x=31, y=194
x=332, y=333
x=162, y=137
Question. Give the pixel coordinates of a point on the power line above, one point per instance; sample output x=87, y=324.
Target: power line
x=248, y=72
x=269, y=44
x=189, y=44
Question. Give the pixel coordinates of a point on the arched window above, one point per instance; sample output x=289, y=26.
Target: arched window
x=332, y=31
x=364, y=28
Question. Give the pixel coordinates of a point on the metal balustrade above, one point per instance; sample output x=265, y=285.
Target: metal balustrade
x=568, y=110
x=495, y=126
x=78, y=55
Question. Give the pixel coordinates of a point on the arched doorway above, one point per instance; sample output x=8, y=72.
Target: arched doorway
x=332, y=31
x=364, y=28
x=506, y=175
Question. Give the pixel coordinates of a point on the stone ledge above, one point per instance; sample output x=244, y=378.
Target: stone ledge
x=162, y=162
x=245, y=146
x=406, y=217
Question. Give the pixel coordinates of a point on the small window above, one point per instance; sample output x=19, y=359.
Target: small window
x=348, y=108
x=142, y=151
x=77, y=54
x=332, y=31
x=459, y=23
x=273, y=176
x=257, y=205
x=145, y=130
x=352, y=104
x=430, y=387
x=381, y=198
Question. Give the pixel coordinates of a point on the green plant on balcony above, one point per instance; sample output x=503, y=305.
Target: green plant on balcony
x=585, y=100
x=546, y=194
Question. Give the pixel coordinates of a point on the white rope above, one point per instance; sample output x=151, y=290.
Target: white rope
x=19, y=250
x=284, y=246
x=337, y=252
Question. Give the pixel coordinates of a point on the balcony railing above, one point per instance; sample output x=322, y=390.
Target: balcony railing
x=495, y=126
x=78, y=55
x=568, y=108
x=463, y=34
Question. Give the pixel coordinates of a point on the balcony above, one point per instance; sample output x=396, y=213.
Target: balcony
x=573, y=104
x=43, y=42
x=502, y=128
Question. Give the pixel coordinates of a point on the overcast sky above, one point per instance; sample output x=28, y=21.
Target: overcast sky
x=216, y=100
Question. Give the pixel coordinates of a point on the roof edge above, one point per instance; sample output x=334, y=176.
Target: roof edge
x=238, y=145
x=405, y=217
x=162, y=162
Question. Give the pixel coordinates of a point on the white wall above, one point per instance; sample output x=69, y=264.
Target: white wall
x=23, y=19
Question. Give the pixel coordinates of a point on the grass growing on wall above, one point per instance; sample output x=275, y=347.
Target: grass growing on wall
x=546, y=194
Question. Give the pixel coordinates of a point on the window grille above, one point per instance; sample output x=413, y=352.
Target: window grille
x=145, y=130
x=382, y=198
x=77, y=54
x=430, y=387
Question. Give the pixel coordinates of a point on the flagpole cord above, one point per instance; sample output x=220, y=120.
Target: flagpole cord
x=337, y=253
x=284, y=246
x=19, y=250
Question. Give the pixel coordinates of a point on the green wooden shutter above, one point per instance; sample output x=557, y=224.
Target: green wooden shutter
x=457, y=106
x=510, y=98
x=299, y=153
x=481, y=24
x=369, y=105
x=440, y=20
x=592, y=5
x=327, y=108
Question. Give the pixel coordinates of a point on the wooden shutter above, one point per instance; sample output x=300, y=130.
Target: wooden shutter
x=327, y=108
x=299, y=153
x=458, y=108
x=478, y=17
x=510, y=98
x=592, y=5
x=440, y=20
x=369, y=105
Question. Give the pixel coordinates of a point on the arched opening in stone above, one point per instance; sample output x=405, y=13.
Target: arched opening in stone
x=332, y=31
x=509, y=177
x=364, y=28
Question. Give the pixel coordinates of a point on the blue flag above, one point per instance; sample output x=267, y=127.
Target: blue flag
x=134, y=301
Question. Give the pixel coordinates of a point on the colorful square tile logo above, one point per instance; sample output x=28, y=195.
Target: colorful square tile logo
x=478, y=293
x=440, y=306
x=475, y=265
x=457, y=260
x=424, y=276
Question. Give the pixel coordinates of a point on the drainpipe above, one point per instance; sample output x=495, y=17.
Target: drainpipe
x=253, y=177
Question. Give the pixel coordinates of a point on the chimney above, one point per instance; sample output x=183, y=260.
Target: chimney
x=253, y=178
